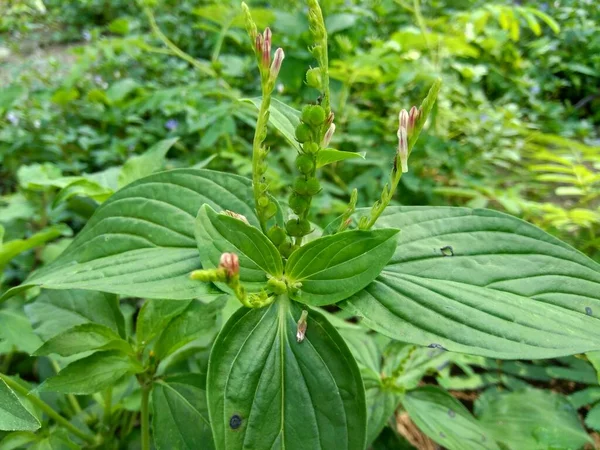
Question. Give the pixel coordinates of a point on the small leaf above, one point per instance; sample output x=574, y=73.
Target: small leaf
x=332, y=268
x=13, y=415
x=10, y=249
x=155, y=315
x=592, y=419
x=218, y=233
x=91, y=374
x=284, y=118
x=16, y=332
x=180, y=415
x=83, y=338
x=265, y=390
x=330, y=155
x=482, y=282
x=445, y=420
x=145, y=164
x=84, y=188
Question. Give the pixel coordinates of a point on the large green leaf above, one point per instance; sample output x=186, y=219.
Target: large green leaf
x=219, y=233
x=180, y=414
x=482, y=282
x=332, y=268
x=141, y=241
x=92, y=373
x=531, y=419
x=445, y=420
x=266, y=390
x=13, y=415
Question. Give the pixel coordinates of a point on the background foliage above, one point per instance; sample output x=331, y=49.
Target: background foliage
x=96, y=94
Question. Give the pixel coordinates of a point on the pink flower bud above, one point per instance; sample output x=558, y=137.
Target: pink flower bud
x=276, y=65
x=403, y=118
x=266, y=50
x=259, y=44
x=330, y=118
x=413, y=116
x=328, y=135
x=231, y=263
x=403, y=148
x=302, y=324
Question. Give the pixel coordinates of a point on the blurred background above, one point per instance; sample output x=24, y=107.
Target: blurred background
x=88, y=86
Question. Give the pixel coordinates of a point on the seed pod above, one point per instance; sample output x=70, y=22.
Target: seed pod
x=312, y=186
x=305, y=163
x=270, y=210
x=297, y=227
x=263, y=201
x=303, y=133
x=313, y=78
x=298, y=203
x=300, y=185
x=277, y=235
x=310, y=148
x=313, y=115
x=286, y=249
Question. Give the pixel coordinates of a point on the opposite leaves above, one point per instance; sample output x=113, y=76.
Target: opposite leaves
x=333, y=268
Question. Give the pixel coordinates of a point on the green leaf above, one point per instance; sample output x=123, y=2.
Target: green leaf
x=584, y=397
x=145, y=164
x=592, y=419
x=218, y=233
x=330, y=155
x=482, y=282
x=155, y=315
x=180, y=415
x=445, y=420
x=332, y=268
x=54, y=312
x=141, y=241
x=284, y=118
x=91, y=374
x=199, y=321
x=13, y=415
x=554, y=26
x=17, y=440
x=83, y=338
x=85, y=188
x=10, y=249
x=531, y=418
x=265, y=390
x=16, y=332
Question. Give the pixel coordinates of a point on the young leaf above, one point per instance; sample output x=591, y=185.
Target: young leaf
x=482, y=282
x=83, y=338
x=10, y=249
x=13, y=415
x=530, y=418
x=330, y=155
x=217, y=234
x=266, y=390
x=284, y=118
x=155, y=315
x=16, y=332
x=91, y=374
x=180, y=414
x=145, y=164
x=445, y=420
x=54, y=312
x=141, y=241
x=198, y=321
x=332, y=268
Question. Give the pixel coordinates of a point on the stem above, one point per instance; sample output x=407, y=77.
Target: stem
x=257, y=157
x=107, y=405
x=220, y=39
x=380, y=206
x=38, y=402
x=70, y=397
x=174, y=49
x=7, y=360
x=145, y=419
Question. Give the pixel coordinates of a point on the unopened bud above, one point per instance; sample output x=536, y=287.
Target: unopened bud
x=302, y=324
x=236, y=216
x=231, y=263
x=259, y=44
x=403, y=119
x=328, y=135
x=266, y=50
x=276, y=65
x=403, y=148
x=413, y=116
x=330, y=118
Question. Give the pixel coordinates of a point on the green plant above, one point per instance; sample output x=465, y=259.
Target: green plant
x=205, y=248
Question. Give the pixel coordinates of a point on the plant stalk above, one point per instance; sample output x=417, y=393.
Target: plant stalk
x=145, y=417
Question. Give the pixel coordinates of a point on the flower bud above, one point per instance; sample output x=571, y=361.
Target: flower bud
x=403, y=149
x=413, y=116
x=231, y=263
x=313, y=78
x=330, y=118
x=403, y=119
x=302, y=325
x=328, y=135
x=276, y=65
x=266, y=50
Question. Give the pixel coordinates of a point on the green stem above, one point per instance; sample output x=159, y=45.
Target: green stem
x=380, y=206
x=39, y=403
x=6, y=362
x=145, y=419
x=70, y=397
x=107, y=405
x=220, y=39
x=257, y=157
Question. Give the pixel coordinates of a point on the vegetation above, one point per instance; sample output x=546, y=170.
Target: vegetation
x=227, y=226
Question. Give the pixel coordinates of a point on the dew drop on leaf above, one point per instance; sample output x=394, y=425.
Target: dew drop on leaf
x=451, y=413
x=588, y=310
x=447, y=251
x=439, y=346
x=442, y=434
x=235, y=422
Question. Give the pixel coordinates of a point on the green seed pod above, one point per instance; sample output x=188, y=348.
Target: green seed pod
x=263, y=201
x=312, y=186
x=277, y=235
x=270, y=210
x=310, y=147
x=298, y=203
x=313, y=77
x=286, y=249
x=313, y=115
x=297, y=227
x=300, y=186
x=303, y=133
x=305, y=163
x=277, y=286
